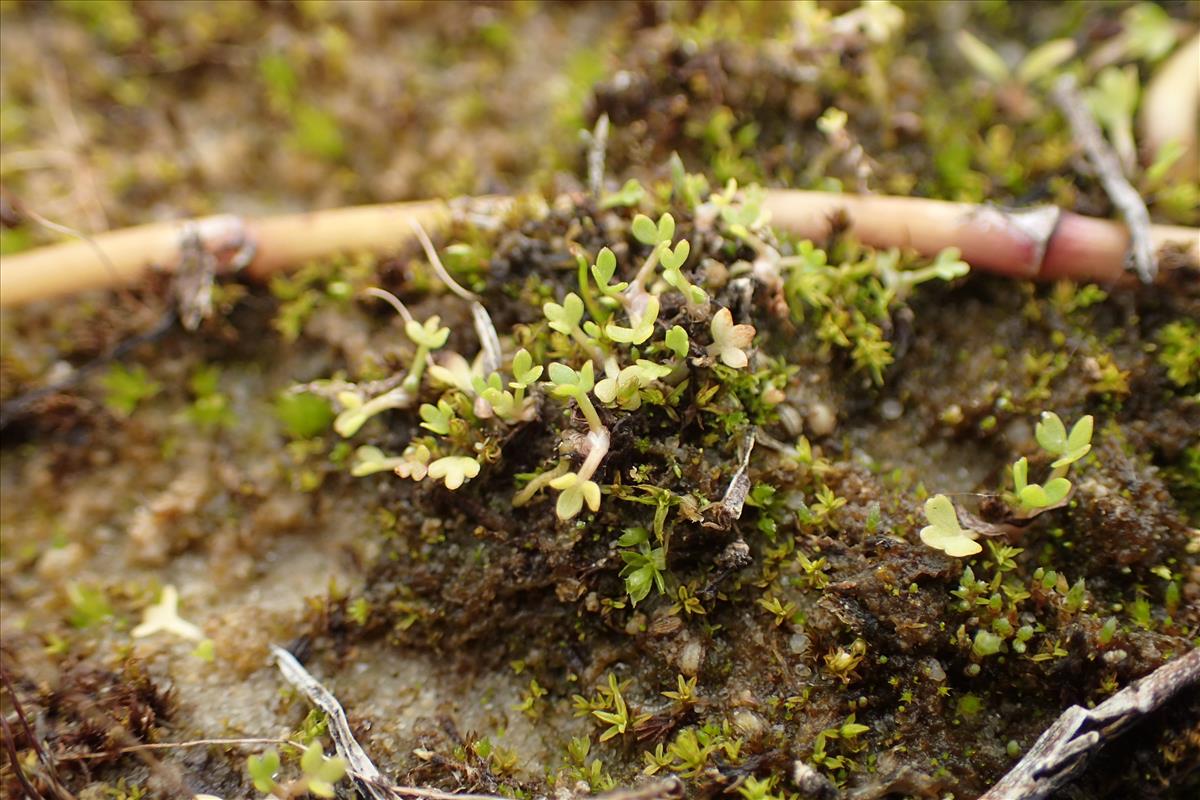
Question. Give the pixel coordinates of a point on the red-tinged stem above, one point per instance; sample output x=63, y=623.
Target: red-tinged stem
x=1019, y=244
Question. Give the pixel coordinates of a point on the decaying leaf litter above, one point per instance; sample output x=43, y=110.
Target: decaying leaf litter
x=808, y=644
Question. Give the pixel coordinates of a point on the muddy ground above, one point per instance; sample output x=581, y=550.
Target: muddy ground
x=471, y=641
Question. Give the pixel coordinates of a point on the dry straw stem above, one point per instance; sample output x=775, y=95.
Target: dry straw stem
x=1041, y=243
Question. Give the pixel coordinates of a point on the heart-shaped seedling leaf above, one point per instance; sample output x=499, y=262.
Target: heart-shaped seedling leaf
x=430, y=334
x=568, y=382
x=644, y=229
x=677, y=340
x=454, y=471
x=573, y=493
x=564, y=318
x=1052, y=436
x=943, y=531
x=605, y=267
x=1036, y=496
x=640, y=332
x=523, y=369
x=1079, y=442
x=1051, y=433
x=437, y=418
x=369, y=460
x=674, y=259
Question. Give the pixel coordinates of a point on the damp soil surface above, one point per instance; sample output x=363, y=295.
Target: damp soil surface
x=750, y=605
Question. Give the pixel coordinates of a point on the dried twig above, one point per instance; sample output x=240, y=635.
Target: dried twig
x=1064, y=749
x=374, y=785
x=1108, y=166
x=597, y=145
x=370, y=781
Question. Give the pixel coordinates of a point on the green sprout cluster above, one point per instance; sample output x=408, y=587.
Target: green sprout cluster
x=946, y=533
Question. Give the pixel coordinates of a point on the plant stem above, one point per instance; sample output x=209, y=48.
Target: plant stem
x=412, y=382
x=1019, y=244
x=589, y=413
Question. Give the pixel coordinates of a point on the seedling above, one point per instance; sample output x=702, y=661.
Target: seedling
x=454, y=471
x=578, y=488
x=355, y=412
x=644, y=567
x=729, y=340
x=603, y=271
x=427, y=337
x=437, y=418
x=677, y=340
x=565, y=319
x=1052, y=436
x=1033, y=496
x=370, y=459
x=414, y=462
x=625, y=389
x=1039, y=63
x=617, y=719
x=1113, y=100
x=163, y=617
x=642, y=329
x=944, y=531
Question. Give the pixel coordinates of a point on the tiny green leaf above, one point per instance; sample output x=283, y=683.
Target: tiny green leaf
x=944, y=532
x=674, y=259
x=565, y=318
x=677, y=340
x=644, y=230
x=430, y=334
x=454, y=470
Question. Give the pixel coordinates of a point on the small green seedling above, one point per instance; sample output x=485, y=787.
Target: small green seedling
x=437, y=418
x=603, y=271
x=618, y=718
x=677, y=340
x=625, y=389
x=944, y=532
x=370, y=460
x=646, y=232
x=454, y=471
x=355, y=412
x=1034, y=496
x=628, y=195
x=263, y=770
x=672, y=261
x=427, y=337
x=730, y=341
x=574, y=491
x=320, y=771
x=125, y=388
x=565, y=318
x=641, y=331
x=576, y=384
x=1053, y=437
x=644, y=567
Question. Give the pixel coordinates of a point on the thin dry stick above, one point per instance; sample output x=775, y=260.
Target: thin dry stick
x=1108, y=166
x=374, y=785
x=1042, y=243
x=1064, y=749
x=175, y=746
